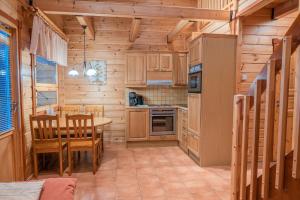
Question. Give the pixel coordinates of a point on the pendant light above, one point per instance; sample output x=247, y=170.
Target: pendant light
x=88, y=71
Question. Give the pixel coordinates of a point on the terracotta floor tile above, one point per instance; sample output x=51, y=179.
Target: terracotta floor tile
x=152, y=173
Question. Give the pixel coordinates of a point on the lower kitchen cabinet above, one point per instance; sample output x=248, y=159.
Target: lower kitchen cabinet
x=193, y=143
x=137, y=124
x=182, y=128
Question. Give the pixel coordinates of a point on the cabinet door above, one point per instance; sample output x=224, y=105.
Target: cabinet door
x=179, y=125
x=194, y=111
x=180, y=69
x=153, y=62
x=136, y=70
x=137, y=124
x=166, y=62
x=193, y=143
x=195, y=52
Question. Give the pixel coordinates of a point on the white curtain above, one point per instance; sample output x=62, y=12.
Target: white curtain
x=48, y=44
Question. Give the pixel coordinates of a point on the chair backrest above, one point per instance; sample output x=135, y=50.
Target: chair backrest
x=69, y=109
x=45, y=127
x=97, y=110
x=80, y=126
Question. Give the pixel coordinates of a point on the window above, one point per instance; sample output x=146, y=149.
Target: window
x=46, y=83
x=5, y=83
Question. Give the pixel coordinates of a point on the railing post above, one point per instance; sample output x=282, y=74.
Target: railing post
x=296, y=120
x=244, y=159
x=268, y=128
x=255, y=139
x=236, y=146
x=283, y=107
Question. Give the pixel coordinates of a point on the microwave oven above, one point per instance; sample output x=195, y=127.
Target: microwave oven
x=195, y=79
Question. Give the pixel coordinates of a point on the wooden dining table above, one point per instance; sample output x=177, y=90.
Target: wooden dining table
x=98, y=121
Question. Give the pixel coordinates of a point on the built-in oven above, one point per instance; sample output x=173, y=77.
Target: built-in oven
x=195, y=79
x=162, y=121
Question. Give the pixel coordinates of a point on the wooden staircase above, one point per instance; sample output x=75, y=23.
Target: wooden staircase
x=279, y=177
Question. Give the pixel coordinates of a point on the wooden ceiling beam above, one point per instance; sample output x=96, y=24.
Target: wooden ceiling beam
x=253, y=7
x=88, y=22
x=285, y=8
x=181, y=25
x=134, y=30
x=93, y=8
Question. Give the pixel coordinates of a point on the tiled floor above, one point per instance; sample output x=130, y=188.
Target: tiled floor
x=156, y=173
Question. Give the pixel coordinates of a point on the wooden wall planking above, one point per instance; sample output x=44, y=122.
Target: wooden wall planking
x=111, y=44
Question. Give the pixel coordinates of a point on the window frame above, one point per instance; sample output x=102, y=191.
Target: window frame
x=43, y=87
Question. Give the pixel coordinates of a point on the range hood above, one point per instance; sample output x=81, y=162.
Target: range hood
x=160, y=82
x=159, y=78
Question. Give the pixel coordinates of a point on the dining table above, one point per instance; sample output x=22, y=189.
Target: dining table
x=98, y=122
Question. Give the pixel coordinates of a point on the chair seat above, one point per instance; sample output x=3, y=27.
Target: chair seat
x=83, y=144
x=49, y=146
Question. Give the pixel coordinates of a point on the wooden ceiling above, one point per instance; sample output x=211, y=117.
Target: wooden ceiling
x=182, y=14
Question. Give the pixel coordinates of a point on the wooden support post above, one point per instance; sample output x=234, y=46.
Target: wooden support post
x=255, y=139
x=296, y=120
x=244, y=160
x=284, y=89
x=236, y=146
x=268, y=129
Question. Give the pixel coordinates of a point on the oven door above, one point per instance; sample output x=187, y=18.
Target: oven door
x=195, y=82
x=162, y=124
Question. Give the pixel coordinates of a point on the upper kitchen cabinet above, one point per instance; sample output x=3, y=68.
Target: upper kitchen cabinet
x=180, y=69
x=195, y=52
x=159, y=62
x=153, y=62
x=166, y=62
x=135, y=74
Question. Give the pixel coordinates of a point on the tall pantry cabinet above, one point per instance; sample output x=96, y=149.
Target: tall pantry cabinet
x=210, y=112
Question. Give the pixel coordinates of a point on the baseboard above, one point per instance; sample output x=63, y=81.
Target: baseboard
x=152, y=144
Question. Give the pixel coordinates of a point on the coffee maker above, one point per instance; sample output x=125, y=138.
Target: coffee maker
x=135, y=99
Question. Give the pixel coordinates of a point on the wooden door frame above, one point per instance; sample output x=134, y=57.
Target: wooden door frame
x=16, y=87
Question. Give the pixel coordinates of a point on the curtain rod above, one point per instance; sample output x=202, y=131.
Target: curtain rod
x=51, y=24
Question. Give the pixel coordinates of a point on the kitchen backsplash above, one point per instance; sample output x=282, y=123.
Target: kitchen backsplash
x=160, y=95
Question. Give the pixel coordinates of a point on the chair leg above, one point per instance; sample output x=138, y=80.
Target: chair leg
x=60, y=162
x=94, y=160
x=70, y=161
x=102, y=141
x=78, y=156
x=35, y=164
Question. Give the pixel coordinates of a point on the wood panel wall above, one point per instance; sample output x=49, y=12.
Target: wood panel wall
x=111, y=45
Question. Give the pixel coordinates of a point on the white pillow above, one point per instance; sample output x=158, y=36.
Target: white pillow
x=21, y=190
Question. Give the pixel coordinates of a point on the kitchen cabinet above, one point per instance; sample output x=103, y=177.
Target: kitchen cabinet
x=180, y=69
x=193, y=143
x=194, y=110
x=195, y=52
x=137, y=124
x=135, y=73
x=166, y=62
x=210, y=113
x=159, y=62
x=153, y=62
x=182, y=128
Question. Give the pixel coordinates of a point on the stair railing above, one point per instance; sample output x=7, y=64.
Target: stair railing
x=264, y=86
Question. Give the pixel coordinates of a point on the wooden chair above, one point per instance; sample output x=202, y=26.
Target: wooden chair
x=69, y=109
x=97, y=111
x=46, y=138
x=81, y=137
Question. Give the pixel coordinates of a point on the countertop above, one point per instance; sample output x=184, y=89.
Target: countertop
x=183, y=107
